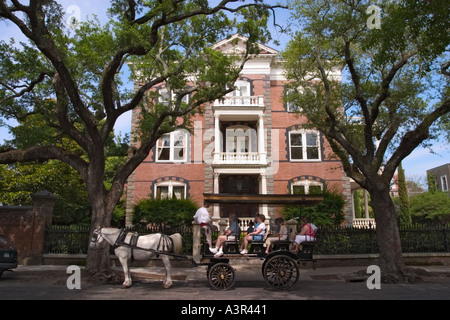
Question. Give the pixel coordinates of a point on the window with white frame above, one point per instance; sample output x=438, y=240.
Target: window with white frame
x=172, y=147
x=306, y=187
x=444, y=183
x=165, y=97
x=291, y=106
x=170, y=190
x=242, y=89
x=304, y=145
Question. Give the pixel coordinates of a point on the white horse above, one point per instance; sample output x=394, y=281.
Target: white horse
x=124, y=250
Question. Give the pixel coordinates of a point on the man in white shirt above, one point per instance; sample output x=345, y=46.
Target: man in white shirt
x=202, y=218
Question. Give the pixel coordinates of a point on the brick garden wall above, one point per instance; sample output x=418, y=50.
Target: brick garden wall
x=25, y=225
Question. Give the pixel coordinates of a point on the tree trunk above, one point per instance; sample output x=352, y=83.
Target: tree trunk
x=393, y=269
x=98, y=264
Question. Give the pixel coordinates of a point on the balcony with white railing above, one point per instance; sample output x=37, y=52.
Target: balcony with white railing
x=364, y=223
x=240, y=159
x=240, y=102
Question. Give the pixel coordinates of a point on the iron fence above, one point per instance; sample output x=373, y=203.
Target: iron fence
x=352, y=240
x=66, y=239
x=75, y=239
x=330, y=240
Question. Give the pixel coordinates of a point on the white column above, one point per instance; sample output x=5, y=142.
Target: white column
x=263, y=190
x=366, y=205
x=261, y=142
x=198, y=142
x=353, y=206
x=216, y=213
x=216, y=139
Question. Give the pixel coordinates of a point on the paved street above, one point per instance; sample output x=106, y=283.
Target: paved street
x=49, y=282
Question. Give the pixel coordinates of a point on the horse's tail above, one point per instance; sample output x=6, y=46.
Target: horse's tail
x=177, y=242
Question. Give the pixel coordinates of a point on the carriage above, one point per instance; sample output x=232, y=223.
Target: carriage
x=280, y=268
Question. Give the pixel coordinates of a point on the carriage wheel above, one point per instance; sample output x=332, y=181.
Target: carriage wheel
x=221, y=276
x=280, y=272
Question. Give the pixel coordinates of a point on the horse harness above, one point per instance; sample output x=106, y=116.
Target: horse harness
x=130, y=239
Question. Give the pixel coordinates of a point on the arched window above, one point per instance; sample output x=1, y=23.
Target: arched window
x=170, y=189
x=306, y=187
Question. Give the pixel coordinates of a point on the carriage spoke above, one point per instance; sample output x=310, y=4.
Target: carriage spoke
x=221, y=276
x=281, y=272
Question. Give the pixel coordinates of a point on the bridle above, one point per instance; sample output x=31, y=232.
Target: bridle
x=96, y=235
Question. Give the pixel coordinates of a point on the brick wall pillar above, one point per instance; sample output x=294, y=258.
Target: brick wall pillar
x=42, y=214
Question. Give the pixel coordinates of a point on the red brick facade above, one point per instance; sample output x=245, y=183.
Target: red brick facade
x=275, y=160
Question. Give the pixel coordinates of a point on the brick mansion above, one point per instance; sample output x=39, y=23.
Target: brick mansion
x=249, y=142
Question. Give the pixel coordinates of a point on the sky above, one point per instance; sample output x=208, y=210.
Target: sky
x=415, y=165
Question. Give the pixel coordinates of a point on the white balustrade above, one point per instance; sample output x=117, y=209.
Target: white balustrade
x=364, y=223
x=240, y=101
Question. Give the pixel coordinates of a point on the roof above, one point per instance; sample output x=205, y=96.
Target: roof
x=229, y=45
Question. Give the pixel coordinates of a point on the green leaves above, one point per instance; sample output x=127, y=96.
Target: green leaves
x=430, y=206
x=328, y=212
x=164, y=211
x=367, y=88
x=68, y=85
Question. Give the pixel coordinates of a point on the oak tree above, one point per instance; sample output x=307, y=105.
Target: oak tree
x=72, y=78
x=370, y=75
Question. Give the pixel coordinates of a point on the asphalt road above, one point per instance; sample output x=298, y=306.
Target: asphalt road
x=50, y=283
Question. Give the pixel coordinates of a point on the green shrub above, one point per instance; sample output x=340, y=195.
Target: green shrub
x=429, y=207
x=165, y=211
x=327, y=213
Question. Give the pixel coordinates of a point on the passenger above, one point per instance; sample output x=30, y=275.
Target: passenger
x=251, y=227
x=202, y=218
x=307, y=233
x=280, y=234
x=233, y=232
x=257, y=235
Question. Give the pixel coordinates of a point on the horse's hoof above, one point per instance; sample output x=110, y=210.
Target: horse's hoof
x=166, y=286
x=125, y=287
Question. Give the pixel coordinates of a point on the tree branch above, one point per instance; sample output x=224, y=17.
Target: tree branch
x=110, y=72
x=29, y=88
x=362, y=101
x=414, y=137
x=62, y=114
x=394, y=124
x=385, y=83
x=44, y=153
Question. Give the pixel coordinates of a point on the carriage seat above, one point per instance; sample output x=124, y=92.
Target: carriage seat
x=256, y=247
x=231, y=247
x=306, y=251
x=281, y=245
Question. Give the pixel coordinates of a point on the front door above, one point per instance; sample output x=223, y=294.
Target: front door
x=238, y=184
